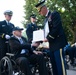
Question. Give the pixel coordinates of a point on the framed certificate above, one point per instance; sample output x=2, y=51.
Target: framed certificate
x=38, y=35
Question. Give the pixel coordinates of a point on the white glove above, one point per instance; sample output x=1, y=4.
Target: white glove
x=7, y=36
x=75, y=44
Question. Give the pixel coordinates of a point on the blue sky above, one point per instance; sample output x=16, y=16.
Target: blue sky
x=16, y=6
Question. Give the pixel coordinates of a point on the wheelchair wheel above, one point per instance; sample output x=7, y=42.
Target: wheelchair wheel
x=49, y=67
x=6, y=66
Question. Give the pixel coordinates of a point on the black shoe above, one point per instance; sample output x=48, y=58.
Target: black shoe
x=73, y=64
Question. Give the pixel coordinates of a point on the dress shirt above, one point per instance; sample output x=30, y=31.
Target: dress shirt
x=46, y=28
x=21, y=41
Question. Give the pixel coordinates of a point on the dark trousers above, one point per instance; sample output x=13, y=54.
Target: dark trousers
x=58, y=64
x=3, y=49
x=24, y=64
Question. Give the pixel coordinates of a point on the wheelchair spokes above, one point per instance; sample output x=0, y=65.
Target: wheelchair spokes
x=6, y=66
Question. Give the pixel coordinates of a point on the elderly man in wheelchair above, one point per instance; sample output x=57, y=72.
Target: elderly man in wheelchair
x=23, y=55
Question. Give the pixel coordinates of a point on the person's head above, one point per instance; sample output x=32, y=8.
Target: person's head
x=8, y=15
x=17, y=31
x=42, y=9
x=33, y=18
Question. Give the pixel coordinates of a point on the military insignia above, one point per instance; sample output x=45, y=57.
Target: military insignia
x=12, y=26
x=32, y=26
x=49, y=19
x=3, y=25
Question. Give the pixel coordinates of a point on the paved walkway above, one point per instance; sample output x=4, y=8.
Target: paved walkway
x=71, y=72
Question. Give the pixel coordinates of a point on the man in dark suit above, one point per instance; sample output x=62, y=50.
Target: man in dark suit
x=31, y=27
x=24, y=53
x=54, y=34
x=5, y=32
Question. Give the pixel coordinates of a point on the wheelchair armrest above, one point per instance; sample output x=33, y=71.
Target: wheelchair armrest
x=45, y=53
x=9, y=54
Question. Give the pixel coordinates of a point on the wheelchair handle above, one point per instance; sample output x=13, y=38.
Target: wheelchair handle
x=10, y=54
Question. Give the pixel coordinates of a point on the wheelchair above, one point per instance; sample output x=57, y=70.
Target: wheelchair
x=8, y=66
x=46, y=53
x=48, y=62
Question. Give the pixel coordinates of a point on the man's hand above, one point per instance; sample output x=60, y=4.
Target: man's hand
x=36, y=44
x=45, y=40
x=73, y=45
x=37, y=52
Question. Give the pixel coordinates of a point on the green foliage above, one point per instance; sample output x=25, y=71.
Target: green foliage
x=24, y=34
x=29, y=8
x=66, y=8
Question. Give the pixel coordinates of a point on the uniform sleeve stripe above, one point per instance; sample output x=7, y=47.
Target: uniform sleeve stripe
x=51, y=36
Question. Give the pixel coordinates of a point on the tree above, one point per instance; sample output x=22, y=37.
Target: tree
x=66, y=8
x=29, y=8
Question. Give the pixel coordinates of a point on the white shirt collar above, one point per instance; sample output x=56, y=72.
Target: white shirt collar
x=18, y=37
x=6, y=21
x=47, y=13
x=33, y=23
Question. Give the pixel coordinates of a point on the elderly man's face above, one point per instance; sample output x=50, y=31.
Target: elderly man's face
x=8, y=17
x=18, y=33
x=43, y=11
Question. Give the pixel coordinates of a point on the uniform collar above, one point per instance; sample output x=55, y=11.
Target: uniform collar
x=47, y=13
x=33, y=22
x=7, y=21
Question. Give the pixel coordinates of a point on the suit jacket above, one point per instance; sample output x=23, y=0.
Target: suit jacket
x=16, y=46
x=29, y=31
x=5, y=29
x=56, y=35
